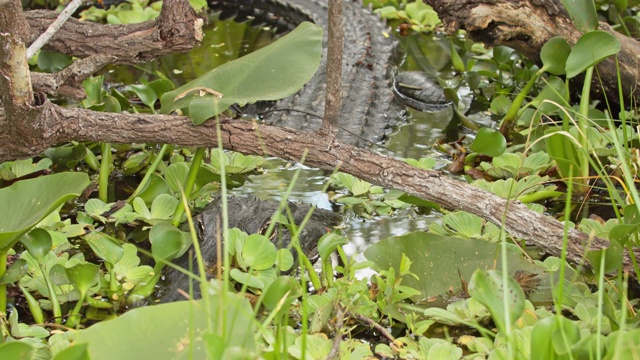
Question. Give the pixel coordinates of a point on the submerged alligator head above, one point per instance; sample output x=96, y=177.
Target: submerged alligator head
x=251, y=216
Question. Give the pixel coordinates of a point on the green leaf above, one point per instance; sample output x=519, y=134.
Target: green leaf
x=73, y=352
x=284, y=261
x=258, y=252
x=613, y=257
x=488, y=288
x=105, y=247
x=328, y=243
x=583, y=13
x=83, y=276
x=176, y=176
x=146, y=94
x=16, y=350
x=281, y=293
x=38, y=242
x=590, y=49
x=562, y=149
x=163, y=206
x=489, y=142
x=93, y=87
x=34, y=199
x=15, y=272
x=166, y=242
x=271, y=73
x=554, y=54
x=51, y=61
x=431, y=261
x=168, y=330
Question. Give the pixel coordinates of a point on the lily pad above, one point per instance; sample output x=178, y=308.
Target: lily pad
x=439, y=262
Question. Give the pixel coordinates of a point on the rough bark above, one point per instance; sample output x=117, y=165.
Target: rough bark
x=526, y=25
x=177, y=29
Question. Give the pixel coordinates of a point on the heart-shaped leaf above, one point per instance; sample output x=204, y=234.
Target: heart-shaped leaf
x=590, y=49
x=38, y=243
x=489, y=142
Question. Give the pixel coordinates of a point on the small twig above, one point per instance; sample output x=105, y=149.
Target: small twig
x=53, y=28
x=333, y=96
x=373, y=324
x=335, y=349
x=72, y=75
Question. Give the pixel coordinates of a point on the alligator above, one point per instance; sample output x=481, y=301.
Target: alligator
x=251, y=216
x=369, y=112
x=369, y=109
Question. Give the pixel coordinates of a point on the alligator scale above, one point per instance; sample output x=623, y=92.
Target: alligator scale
x=369, y=109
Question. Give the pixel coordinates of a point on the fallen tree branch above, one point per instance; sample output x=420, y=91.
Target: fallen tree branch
x=66, y=124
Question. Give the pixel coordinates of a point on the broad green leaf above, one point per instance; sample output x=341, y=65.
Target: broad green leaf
x=105, y=247
x=583, y=13
x=163, y=207
x=157, y=185
x=284, y=261
x=281, y=293
x=38, y=242
x=489, y=142
x=328, y=243
x=554, y=54
x=93, y=87
x=17, y=350
x=166, y=242
x=26, y=166
x=255, y=279
x=83, y=276
x=271, y=73
x=487, y=287
x=167, y=330
x=258, y=252
x=15, y=272
x=146, y=94
x=590, y=49
x=73, y=352
x=431, y=261
x=34, y=199
x=176, y=176
x=51, y=61
x=613, y=257
x=563, y=150
x=552, y=96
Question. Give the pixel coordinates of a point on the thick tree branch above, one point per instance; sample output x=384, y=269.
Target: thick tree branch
x=177, y=29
